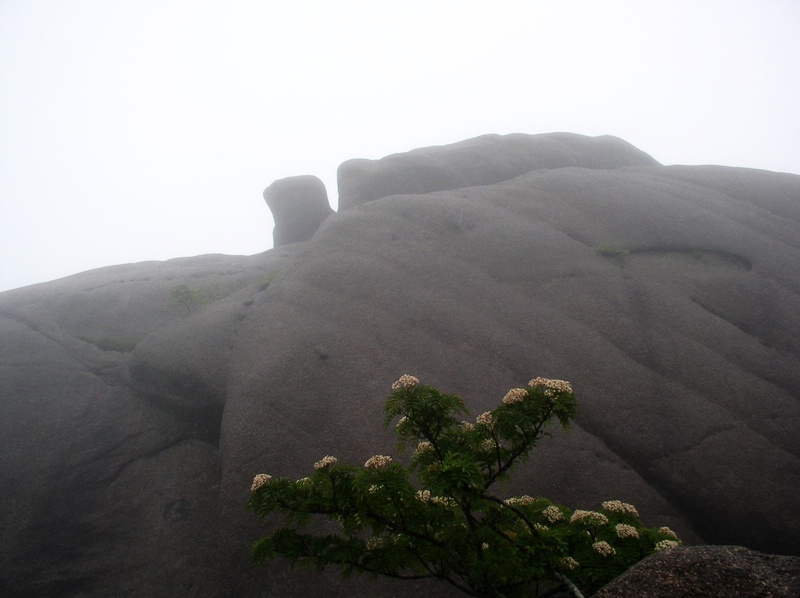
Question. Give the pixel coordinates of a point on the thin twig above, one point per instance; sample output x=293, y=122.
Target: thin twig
x=570, y=586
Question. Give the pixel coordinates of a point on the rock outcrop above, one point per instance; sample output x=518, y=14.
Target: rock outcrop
x=484, y=160
x=109, y=466
x=299, y=204
x=711, y=572
x=137, y=402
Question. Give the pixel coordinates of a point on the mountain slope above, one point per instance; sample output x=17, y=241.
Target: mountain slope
x=668, y=296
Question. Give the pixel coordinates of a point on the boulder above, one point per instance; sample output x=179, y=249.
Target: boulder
x=711, y=572
x=485, y=160
x=137, y=402
x=109, y=483
x=299, y=204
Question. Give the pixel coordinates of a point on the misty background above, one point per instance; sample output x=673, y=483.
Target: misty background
x=145, y=130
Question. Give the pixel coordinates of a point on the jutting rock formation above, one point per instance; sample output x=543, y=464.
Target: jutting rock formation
x=299, y=205
x=137, y=402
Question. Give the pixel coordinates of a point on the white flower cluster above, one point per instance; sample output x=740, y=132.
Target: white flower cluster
x=326, y=461
x=375, y=542
x=515, y=395
x=551, y=386
x=445, y=501
x=259, y=481
x=488, y=445
x=590, y=517
x=401, y=422
x=377, y=461
x=424, y=447
x=540, y=528
x=569, y=563
x=553, y=514
x=616, y=506
x=304, y=482
x=667, y=532
x=405, y=381
x=374, y=488
x=626, y=531
x=485, y=546
x=521, y=501
x=603, y=548
x=485, y=419
x=467, y=426
x=666, y=545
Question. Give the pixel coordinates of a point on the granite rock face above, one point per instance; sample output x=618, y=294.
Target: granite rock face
x=109, y=465
x=299, y=205
x=137, y=402
x=485, y=160
x=711, y=572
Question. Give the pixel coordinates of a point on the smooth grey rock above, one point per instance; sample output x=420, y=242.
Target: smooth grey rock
x=131, y=423
x=109, y=486
x=299, y=205
x=484, y=160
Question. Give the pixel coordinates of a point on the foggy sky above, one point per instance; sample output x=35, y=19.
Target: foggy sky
x=137, y=130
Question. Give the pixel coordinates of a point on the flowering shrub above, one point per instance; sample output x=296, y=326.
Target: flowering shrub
x=326, y=461
x=378, y=461
x=439, y=516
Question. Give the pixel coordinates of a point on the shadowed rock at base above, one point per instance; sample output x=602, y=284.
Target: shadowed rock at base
x=711, y=572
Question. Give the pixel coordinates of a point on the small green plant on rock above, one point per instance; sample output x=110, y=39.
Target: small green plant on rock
x=612, y=250
x=265, y=281
x=193, y=299
x=112, y=343
x=439, y=516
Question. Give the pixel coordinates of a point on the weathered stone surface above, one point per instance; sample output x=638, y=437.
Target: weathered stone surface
x=711, y=572
x=485, y=160
x=131, y=423
x=299, y=205
x=106, y=490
